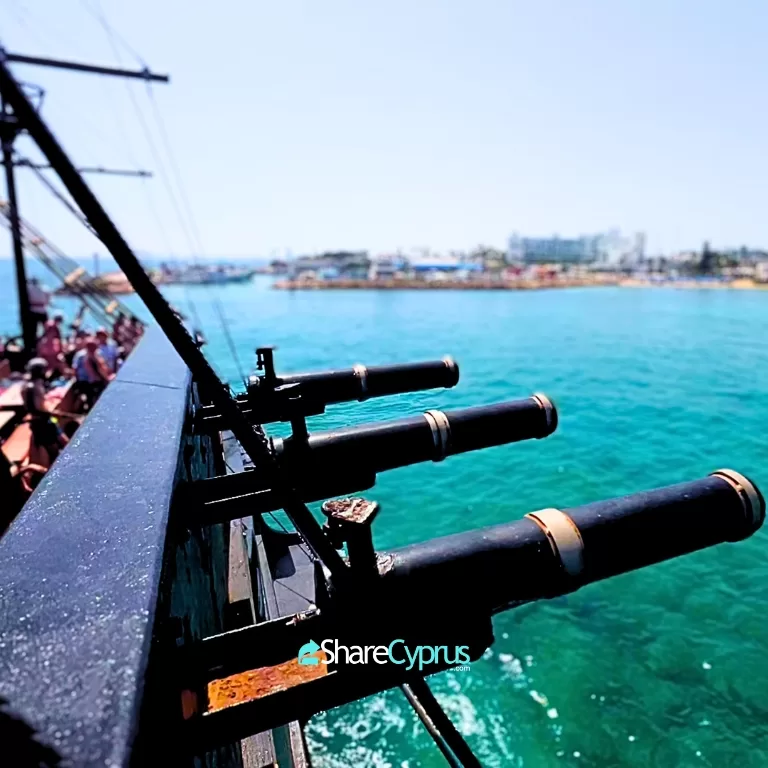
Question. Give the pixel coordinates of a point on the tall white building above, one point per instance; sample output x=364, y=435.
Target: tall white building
x=606, y=248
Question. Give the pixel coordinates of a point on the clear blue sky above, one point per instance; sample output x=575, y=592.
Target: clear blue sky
x=443, y=123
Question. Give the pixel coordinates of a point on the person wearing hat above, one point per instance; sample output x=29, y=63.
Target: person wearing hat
x=46, y=435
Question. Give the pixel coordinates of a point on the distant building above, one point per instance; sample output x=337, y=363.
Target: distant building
x=344, y=264
x=309, y=266
x=607, y=248
x=548, y=250
x=639, y=246
x=387, y=266
x=445, y=267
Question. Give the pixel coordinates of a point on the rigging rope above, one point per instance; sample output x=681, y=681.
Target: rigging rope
x=193, y=225
x=112, y=37
x=113, y=34
x=187, y=223
x=33, y=24
x=76, y=212
x=145, y=183
x=100, y=302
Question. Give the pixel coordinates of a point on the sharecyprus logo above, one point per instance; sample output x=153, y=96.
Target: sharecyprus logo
x=307, y=653
x=397, y=652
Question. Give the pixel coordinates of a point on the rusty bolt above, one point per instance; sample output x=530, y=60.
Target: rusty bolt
x=350, y=520
x=351, y=512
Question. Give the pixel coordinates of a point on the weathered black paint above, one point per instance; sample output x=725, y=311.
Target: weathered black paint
x=44, y=61
x=390, y=444
x=85, y=587
x=514, y=562
x=269, y=398
x=443, y=592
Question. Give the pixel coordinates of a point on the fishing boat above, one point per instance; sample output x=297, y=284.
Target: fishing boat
x=200, y=274
x=168, y=597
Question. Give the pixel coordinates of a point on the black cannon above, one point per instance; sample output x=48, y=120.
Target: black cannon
x=271, y=397
x=325, y=464
x=442, y=593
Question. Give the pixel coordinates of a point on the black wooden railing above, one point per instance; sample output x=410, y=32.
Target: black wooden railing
x=98, y=585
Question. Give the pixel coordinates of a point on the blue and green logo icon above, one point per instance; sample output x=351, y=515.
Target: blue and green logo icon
x=307, y=653
x=421, y=656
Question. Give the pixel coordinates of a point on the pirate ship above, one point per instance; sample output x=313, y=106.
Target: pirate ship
x=152, y=610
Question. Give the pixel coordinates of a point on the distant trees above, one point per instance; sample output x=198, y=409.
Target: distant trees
x=711, y=262
x=707, y=261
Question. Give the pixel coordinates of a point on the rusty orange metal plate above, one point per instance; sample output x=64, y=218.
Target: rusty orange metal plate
x=257, y=683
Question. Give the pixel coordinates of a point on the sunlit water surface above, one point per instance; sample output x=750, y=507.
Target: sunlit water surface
x=664, y=667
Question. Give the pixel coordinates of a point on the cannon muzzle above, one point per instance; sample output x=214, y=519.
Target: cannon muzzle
x=363, y=382
x=552, y=552
x=431, y=436
x=438, y=596
x=271, y=398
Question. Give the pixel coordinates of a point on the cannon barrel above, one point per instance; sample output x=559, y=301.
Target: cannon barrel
x=431, y=436
x=552, y=552
x=443, y=592
x=362, y=382
x=344, y=461
x=272, y=398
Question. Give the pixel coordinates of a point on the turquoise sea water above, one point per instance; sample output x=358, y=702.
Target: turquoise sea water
x=663, y=667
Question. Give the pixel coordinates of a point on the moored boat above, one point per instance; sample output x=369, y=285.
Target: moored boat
x=199, y=274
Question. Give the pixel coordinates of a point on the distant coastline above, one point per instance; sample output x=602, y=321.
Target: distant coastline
x=511, y=285
x=116, y=283
x=732, y=285
x=440, y=284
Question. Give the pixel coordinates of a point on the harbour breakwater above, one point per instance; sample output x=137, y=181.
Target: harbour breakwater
x=737, y=285
x=512, y=285
x=116, y=284
x=443, y=284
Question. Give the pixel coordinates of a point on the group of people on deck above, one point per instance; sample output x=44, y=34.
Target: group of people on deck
x=91, y=358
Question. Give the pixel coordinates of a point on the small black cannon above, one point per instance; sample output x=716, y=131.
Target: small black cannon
x=442, y=593
x=399, y=615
